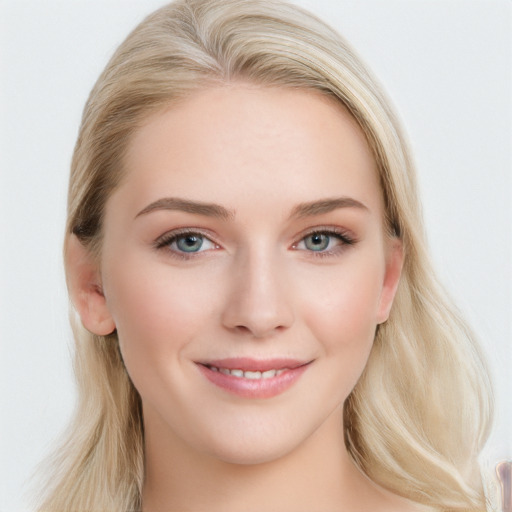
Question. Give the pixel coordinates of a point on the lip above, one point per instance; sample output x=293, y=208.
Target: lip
x=254, y=388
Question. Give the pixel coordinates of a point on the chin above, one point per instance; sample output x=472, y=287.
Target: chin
x=254, y=447
x=250, y=456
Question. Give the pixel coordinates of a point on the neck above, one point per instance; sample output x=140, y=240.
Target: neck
x=318, y=475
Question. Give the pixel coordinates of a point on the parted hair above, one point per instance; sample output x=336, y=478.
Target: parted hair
x=420, y=413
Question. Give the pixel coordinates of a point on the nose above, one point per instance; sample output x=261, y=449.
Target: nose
x=259, y=301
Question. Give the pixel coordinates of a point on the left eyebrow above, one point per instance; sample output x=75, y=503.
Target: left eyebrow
x=325, y=206
x=186, y=205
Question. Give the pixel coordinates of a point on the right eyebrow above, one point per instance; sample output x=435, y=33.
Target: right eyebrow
x=188, y=206
x=323, y=206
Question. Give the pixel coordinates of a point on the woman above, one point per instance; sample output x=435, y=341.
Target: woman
x=259, y=326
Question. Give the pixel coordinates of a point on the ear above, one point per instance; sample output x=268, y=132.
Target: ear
x=394, y=263
x=85, y=290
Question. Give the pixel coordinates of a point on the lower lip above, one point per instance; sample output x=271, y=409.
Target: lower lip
x=254, y=388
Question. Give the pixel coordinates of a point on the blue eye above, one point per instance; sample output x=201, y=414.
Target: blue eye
x=324, y=242
x=185, y=243
x=189, y=243
x=317, y=241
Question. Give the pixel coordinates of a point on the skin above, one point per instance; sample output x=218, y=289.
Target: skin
x=257, y=288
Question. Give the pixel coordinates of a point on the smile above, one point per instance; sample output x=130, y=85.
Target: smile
x=249, y=378
x=248, y=374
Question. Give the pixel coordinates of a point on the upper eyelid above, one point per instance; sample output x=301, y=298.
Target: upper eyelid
x=333, y=230
x=175, y=233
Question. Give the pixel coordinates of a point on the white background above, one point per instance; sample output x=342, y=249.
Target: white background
x=446, y=65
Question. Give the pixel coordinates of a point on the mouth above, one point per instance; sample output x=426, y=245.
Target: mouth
x=248, y=374
x=251, y=378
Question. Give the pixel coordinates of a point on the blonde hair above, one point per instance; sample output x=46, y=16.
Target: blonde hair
x=418, y=417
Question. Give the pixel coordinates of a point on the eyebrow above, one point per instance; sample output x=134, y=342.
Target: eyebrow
x=325, y=206
x=185, y=205
x=302, y=210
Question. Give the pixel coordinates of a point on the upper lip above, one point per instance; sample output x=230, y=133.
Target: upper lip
x=250, y=364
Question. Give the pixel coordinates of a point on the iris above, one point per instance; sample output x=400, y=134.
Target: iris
x=189, y=243
x=317, y=241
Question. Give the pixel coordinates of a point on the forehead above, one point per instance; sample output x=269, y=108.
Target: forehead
x=239, y=141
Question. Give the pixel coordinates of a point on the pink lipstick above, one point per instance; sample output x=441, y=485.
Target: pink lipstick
x=252, y=378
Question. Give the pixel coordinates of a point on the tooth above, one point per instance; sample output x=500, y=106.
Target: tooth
x=268, y=374
x=252, y=375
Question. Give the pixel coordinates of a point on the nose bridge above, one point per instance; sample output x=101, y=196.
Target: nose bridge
x=259, y=301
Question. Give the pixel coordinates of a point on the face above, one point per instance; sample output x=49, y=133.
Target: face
x=245, y=267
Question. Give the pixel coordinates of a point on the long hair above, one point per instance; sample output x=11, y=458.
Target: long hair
x=419, y=415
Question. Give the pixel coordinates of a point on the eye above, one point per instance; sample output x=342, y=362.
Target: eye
x=324, y=242
x=189, y=243
x=185, y=242
x=317, y=242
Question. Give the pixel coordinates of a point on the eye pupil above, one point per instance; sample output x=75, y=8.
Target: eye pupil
x=317, y=242
x=189, y=243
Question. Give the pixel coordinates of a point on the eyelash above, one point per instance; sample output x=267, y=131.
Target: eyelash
x=166, y=240
x=344, y=237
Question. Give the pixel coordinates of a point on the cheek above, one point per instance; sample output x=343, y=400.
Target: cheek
x=343, y=313
x=157, y=312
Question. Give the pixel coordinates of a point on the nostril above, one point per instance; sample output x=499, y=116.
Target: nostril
x=258, y=331
x=242, y=328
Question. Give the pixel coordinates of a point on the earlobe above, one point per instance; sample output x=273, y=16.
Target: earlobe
x=85, y=289
x=394, y=263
